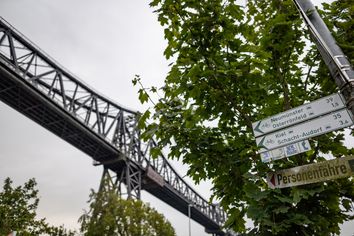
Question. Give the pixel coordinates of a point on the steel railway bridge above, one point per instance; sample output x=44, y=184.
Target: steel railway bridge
x=40, y=88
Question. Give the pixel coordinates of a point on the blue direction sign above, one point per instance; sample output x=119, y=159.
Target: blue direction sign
x=286, y=151
x=315, y=127
x=299, y=114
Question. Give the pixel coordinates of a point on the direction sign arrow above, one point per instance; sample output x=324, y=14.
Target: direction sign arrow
x=312, y=173
x=315, y=127
x=286, y=151
x=299, y=114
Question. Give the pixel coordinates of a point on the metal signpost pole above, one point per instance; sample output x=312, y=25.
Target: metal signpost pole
x=189, y=218
x=337, y=63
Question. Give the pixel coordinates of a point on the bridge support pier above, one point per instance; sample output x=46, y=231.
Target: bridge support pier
x=127, y=182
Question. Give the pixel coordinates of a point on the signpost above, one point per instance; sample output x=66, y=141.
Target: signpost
x=312, y=173
x=315, y=127
x=299, y=114
x=287, y=151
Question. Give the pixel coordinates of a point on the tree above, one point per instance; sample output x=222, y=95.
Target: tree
x=109, y=214
x=232, y=66
x=18, y=211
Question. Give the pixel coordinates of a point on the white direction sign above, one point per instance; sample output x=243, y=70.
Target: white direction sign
x=299, y=114
x=287, y=151
x=315, y=127
x=312, y=173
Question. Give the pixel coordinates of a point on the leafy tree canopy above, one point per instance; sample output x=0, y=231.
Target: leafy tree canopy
x=110, y=214
x=18, y=212
x=234, y=65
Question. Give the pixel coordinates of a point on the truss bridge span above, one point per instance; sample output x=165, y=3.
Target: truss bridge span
x=40, y=88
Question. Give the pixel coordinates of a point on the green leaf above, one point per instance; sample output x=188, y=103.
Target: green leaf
x=143, y=96
x=281, y=209
x=143, y=118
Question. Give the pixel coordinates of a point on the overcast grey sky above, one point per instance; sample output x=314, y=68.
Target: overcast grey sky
x=105, y=43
